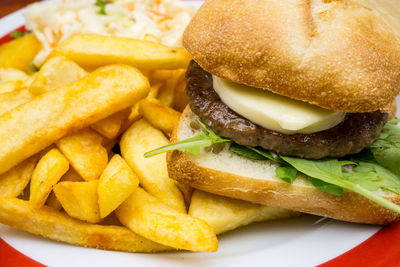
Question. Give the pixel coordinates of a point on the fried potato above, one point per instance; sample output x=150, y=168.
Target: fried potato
x=110, y=127
x=33, y=126
x=20, y=52
x=79, y=200
x=56, y=72
x=134, y=116
x=187, y=192
x=11, y=100
x=154, y=91
x=7, y=87
x=85, y=152
x=225, y=214
x=149, y=217
x=180, y=98
x=50, y=168
x=91, y=51
x=72, y=176
x=152, y=172
x=167, y=91
x=116, y=183
x=11, y=75
x=58, y=226
x=13, y=182
x=160, y=116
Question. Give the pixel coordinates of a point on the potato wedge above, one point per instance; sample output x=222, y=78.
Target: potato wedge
x=225, y=214
x=50, y=168
x=79, y=200
x=91, y=51
x=20, y=52
x=167, y=91
x=11, y=100
x=152, y=172
x=13, y=182
x=12, y=75
x=58, y=226
x=154, y=89
x=7, y=87
x=33, y=126
x=56, y=72
x=160, y=116
x=53, y=202
x=149, y=217
x=134, y=116
x=85, y=152
x=116, y=183
x=110, y=127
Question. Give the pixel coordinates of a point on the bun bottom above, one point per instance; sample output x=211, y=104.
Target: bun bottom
x=228, y=174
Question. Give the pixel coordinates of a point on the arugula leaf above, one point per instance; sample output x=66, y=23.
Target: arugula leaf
x=205, y=138
x=16, y=34
x=330, y=171
x=245, y=152
x=327, y=187
x=102, y=5
x=386, y=148
x=267, y=154
x=286, y=173
x=372, y=176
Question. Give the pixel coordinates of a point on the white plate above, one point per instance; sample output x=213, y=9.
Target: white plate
x=303, y=241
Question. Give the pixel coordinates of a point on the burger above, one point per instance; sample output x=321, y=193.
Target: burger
x=289, y=106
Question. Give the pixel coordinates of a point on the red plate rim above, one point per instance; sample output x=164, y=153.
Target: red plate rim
x=381, y=249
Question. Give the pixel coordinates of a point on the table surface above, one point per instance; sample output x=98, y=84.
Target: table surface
x=9, y=6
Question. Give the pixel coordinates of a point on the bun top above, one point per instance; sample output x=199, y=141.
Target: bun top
x=340, y=55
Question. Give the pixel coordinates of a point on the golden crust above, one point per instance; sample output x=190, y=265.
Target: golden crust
x=350, y=206
x=340, y=55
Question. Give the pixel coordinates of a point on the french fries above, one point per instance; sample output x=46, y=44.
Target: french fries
x=167, y=92
x=225, y=214
x=19, y=53
x=7, y=87
x=152, y=172
x=56, y=72
x=85, y=152
x=160, y=116
x=37, y=124
x=116, y=183
x=11, y=75
x=13, y=182
x=141, y=212
x=48, y=171
x=13, y=99
x=91, y=51
x=110, y=127
x=79, y=200
x=52, y=224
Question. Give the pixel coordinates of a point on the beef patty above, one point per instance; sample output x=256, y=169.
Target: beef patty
x=356, y=132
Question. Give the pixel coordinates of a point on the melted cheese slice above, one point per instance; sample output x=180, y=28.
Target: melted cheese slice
x=275, y=112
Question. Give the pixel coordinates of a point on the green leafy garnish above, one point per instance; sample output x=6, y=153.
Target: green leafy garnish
x=386, y=149
x=287, y=174
x=102, y=5
x=16, y=34
x=245, y=152
x=205, y=138
x=327, y=187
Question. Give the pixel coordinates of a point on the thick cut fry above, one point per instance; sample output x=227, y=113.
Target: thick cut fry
x=85, y=153
x=110, y=127
x=7, y=87
x=13, y=182
x=160, y=116
x=58, y=226
x=33, y=126
x=48, y=171
x=154, y=91
x=11, y=100
x=116, y=183
x=187, y=192
x=11, y=74
x=152, y=172
x=134, y=116
x=53, y=202
x=147, y=216
x=79, y=199
x=180, y=98
x=225, y=214
x=92, y=51
x=167, y=91
x=20, y=52
x=56, y=72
